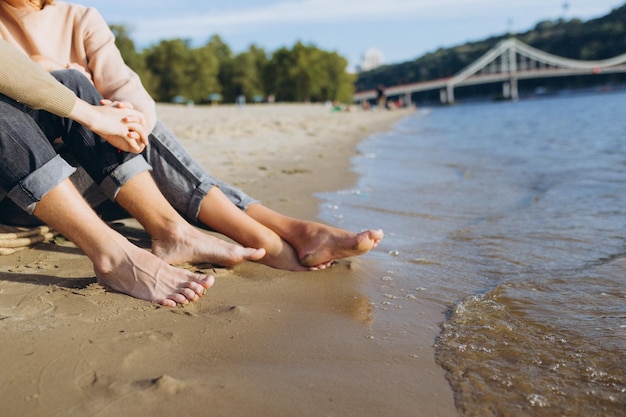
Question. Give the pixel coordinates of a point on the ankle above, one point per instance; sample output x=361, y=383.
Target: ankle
x=108, y=261
x=170, y=231
x=273, y=245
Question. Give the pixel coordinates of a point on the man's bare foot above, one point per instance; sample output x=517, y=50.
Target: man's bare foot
x=318, y=245
x=138, y=273
x=190, y=245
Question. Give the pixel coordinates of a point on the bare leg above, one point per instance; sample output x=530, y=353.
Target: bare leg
x=118, y=263
x=290, y=243
x=315, y=243
x=173, y=238
x=220, y=214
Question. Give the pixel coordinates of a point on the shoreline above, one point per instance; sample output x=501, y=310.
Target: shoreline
x=260, y=342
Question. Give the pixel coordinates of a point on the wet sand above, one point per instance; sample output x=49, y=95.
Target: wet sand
x=261, y=342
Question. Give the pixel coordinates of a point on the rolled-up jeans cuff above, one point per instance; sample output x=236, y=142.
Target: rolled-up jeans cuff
x=123, y=173
x=238, y=197
x=38, y=183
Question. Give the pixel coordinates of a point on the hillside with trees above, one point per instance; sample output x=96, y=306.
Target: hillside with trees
x=594, y=39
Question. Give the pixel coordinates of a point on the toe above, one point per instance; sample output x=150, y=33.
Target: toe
x=178, y=298
x=197, y=288
x=165, y=302
x=188, y=293
x=206, y=281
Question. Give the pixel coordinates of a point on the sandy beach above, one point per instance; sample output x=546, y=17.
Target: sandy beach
x=261, y=342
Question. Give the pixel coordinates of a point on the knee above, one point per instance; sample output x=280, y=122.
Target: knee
x=70, y=77
x=79, y=84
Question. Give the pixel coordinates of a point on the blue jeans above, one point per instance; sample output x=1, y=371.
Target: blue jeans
x=30, y=166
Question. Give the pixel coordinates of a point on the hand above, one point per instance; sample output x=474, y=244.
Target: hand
x=132, y=135
x=80, y=68
x=118, y=104
x=50, y=65
x=123, y=128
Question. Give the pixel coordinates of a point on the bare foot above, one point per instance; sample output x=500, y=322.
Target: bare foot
x=280, y=255
x=190, y=245
x=142, y=275
x=318, y=245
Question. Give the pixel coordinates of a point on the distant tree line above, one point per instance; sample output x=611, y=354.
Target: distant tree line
x=173, y=70
x=595, y=39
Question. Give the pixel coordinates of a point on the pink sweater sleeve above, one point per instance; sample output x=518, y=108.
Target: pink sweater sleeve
x=111, y=76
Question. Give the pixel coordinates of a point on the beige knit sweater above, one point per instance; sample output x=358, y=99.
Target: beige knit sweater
x=24, y=81
x=70, y=33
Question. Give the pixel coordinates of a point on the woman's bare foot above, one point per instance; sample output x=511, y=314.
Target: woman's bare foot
x=281, y=255
x=318, y=245
x=138, y=273
x=189, y=245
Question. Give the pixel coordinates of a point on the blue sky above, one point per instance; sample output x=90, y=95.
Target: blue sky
x=400, y=29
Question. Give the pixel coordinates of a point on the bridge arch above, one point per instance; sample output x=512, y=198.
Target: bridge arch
x=508, y=61
x=515, y=60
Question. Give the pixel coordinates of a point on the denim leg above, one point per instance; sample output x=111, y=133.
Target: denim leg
x=107, y=166
x=29, y=166
x=183, y=182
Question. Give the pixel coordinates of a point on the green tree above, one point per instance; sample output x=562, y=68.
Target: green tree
x=246, y=74
x=291, y=73
x=134, y=59
x=340, y=84
x=202, y=75
x=278, y=77
x=307, y=73
x=224, y=55
x=169, y=63
x=259, y=60
x=172, y=69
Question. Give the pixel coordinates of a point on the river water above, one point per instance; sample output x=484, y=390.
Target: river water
x=510, y=217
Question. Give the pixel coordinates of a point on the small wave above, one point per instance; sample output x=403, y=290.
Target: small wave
x=499, y=362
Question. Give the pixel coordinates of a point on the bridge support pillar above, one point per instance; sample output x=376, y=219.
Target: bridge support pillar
x=509, y=90
x=446, y=95
x=514, y=91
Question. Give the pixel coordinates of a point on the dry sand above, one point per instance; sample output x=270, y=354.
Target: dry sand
x=261, y=342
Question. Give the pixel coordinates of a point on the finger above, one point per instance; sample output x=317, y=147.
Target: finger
x=136, y=147
x=138, y=117
x=110, y=103
x=144, y=139
x=135, y=118
x=138, y=129
x=133, y=145
x=139, y=142
x=123, y=104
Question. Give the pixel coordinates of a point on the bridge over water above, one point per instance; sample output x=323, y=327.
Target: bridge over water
x=507, y=62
